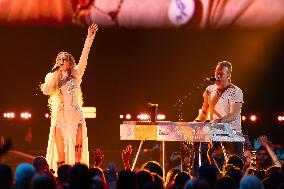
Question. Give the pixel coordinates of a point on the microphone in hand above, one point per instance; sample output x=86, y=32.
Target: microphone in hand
x=56, y=68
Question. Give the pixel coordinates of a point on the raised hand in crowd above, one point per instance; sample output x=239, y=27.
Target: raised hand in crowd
x=98, y=157
x=263, y=140
x=265, y=143
x=126, y=153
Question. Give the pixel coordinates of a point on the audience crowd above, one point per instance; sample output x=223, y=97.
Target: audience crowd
x=261, y=167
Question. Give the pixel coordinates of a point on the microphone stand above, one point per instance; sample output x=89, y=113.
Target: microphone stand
x=179, y=105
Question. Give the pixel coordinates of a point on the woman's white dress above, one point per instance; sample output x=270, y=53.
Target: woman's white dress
x=65, y=103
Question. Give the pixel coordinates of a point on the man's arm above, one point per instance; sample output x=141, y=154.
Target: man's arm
x=203, y=114
x=234, y=112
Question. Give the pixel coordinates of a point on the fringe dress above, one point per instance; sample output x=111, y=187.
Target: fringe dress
x=65, y=103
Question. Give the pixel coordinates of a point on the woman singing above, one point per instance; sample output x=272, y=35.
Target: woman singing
x=68, y=141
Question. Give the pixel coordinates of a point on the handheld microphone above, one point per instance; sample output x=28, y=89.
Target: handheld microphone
x=210, y=79
x=56, y=68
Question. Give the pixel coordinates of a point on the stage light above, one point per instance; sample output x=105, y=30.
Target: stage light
x=280, y=118
x=46, y=115
x=9, y=115
x=143, y=117
x=121, y=116
x=128, y=116
x=26, y=115
x=161, y=117
x=244, y=118
x=253, y=118
x=12, y=115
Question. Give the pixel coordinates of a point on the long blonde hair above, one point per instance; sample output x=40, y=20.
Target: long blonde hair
x=70, y=58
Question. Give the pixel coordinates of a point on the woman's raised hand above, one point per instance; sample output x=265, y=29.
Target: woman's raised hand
x=92, y=30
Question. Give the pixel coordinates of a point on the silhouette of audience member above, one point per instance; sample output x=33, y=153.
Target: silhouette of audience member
x=181, y=178
x=111, y=175
x=158, y=179
x=225, y=182
x=152, y=185
x=170, y=177
x=23, y=175
x=40, y=164
x=63, y=176
x=197, y=184
x=272, y=170
x=97, y=183
x=234, y=172
x=153, y=167
x=97, y=172
x=208, y=173
x=126, y=180
x=251, y=182
x=281, y=186
x=6, y=176
x=80, y=177
x=42, y=181
x=273, y=180
x=236, y=161
x=143, y=177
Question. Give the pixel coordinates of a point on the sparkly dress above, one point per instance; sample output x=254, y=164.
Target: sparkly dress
x=65, y=103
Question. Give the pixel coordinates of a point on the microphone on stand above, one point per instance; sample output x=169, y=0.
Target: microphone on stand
x=210, y=79
x=56, y=68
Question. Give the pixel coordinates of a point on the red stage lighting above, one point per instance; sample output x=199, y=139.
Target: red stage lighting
x=161, y=117
x=280, y=118
x=143, y=117
x=26, y=115
x=46, y=115
x=253, y=118
x=9, y=115
x=128, y=116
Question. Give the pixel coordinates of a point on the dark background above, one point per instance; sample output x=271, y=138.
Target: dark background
x=129, y=68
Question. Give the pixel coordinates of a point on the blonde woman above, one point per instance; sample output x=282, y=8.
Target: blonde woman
x=68, y=141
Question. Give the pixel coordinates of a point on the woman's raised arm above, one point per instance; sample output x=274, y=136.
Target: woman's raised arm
x=85, y=53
